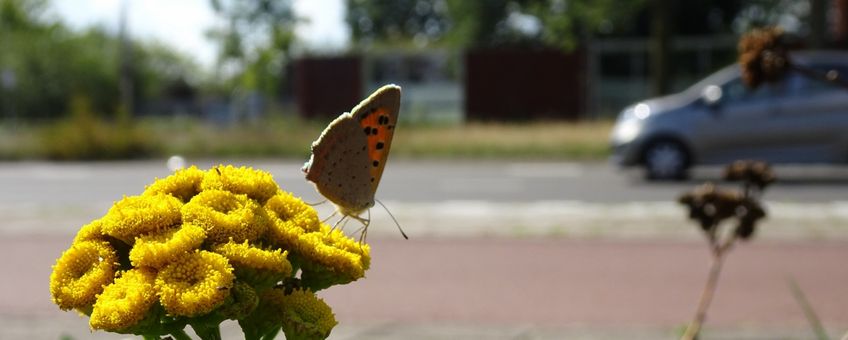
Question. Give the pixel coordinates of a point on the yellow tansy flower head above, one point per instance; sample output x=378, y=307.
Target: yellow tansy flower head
x=163, y=247
x=183, y=184
x=226, y=215
x=256, y=184
x=90, y=232
x=200, y=247
x=290, y=218
x=305, y=316
x=138, y=215
x=81, y=272
x=255, y=265
x=125, y=302
x=331, y=258
x=195, y=284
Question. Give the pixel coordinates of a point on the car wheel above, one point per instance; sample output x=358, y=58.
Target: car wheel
x=666, y=160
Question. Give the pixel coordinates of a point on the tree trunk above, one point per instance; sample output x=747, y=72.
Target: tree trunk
x=660, y=53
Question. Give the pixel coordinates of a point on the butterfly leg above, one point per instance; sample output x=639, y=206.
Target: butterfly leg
x=344, y=224
x=329, y=217
x=365, y=223
x=338, y=222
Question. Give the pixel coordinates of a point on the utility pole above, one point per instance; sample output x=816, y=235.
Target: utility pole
x=818, y=23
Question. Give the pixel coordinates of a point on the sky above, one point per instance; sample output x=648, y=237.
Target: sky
x=182, y=23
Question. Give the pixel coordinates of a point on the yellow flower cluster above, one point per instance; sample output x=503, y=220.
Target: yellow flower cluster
x=258, y=185
x=126, y=301
x=183, y=184
x=306, y=314
x=158, y=249
x=194, y=284
x=198, y=247
x=138, y=215
x=81, y=272
x=226, y=215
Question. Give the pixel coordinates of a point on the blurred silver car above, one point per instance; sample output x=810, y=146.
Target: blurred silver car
x=719, y=120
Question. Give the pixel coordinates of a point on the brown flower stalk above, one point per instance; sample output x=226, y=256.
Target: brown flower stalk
x=711, y=206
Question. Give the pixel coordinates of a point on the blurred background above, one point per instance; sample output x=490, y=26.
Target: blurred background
x=130, y=79
x=520, y=228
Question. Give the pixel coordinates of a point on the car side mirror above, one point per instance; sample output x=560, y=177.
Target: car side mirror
x=711, y=96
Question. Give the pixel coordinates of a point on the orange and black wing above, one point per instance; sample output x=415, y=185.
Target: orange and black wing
x=377, y=116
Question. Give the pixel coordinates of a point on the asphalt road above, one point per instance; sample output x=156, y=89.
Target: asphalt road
x=411, y=181
x=441, y=284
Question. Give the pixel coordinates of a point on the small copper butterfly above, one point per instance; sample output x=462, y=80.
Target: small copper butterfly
x=349, y=157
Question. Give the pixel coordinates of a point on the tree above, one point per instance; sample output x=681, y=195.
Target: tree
x=464, y=24
x=254, y=42
x=397, y=21
x=51, y=64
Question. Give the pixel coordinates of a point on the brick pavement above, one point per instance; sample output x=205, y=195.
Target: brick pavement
x=481, y=288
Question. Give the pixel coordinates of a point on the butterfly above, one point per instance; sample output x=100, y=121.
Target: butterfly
x=349, y=157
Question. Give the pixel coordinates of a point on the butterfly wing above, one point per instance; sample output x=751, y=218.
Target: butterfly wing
x=349, y=157
x=377, y=116
x=339, y=166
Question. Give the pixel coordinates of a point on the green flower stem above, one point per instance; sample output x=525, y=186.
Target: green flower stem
x=180, y=334
x=272, y=334
x=206, y=331
x=251, y=333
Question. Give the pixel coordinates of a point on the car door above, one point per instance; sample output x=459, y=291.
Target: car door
x=738, y=126
x=811, y=120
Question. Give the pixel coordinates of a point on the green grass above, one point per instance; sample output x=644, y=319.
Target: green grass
x=84, y=138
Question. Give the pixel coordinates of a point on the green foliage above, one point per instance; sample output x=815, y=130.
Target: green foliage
x=254, y=43
x=469, y=24
x=52, y=63
x=396, y=20
x=84, y=136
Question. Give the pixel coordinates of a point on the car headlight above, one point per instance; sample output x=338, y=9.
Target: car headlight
x=629, y=123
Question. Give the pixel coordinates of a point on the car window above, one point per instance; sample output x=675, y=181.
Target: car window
x=803, y=85
x=735, y=92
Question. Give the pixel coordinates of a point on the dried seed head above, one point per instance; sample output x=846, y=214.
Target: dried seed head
x=710, y=205
x=754, y=172
x=763, y=56
x=749, y=212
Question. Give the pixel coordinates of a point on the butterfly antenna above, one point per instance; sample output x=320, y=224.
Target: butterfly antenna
x=316, y=203
x=393, y=219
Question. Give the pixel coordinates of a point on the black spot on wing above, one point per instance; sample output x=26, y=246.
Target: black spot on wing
x=379, y=145
x=376, y=163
